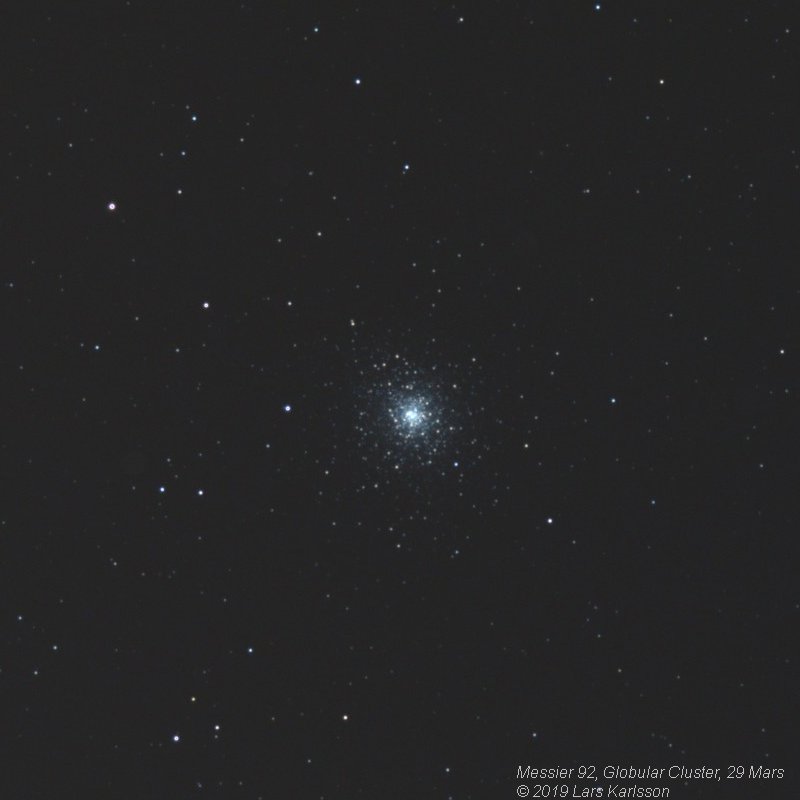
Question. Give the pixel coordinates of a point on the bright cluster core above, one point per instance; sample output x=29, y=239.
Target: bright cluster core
x=413, y=417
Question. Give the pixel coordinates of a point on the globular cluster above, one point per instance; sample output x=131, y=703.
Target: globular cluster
x=414, y=419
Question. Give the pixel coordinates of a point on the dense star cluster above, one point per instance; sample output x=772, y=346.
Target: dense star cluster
x=413, y=419
x=414, y=416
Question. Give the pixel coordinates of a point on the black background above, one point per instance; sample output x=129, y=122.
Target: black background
x=585, y=218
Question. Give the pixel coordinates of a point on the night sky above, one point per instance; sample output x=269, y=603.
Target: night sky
x=395, y=394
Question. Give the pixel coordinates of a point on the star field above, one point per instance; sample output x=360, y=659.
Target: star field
x=395, y=395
